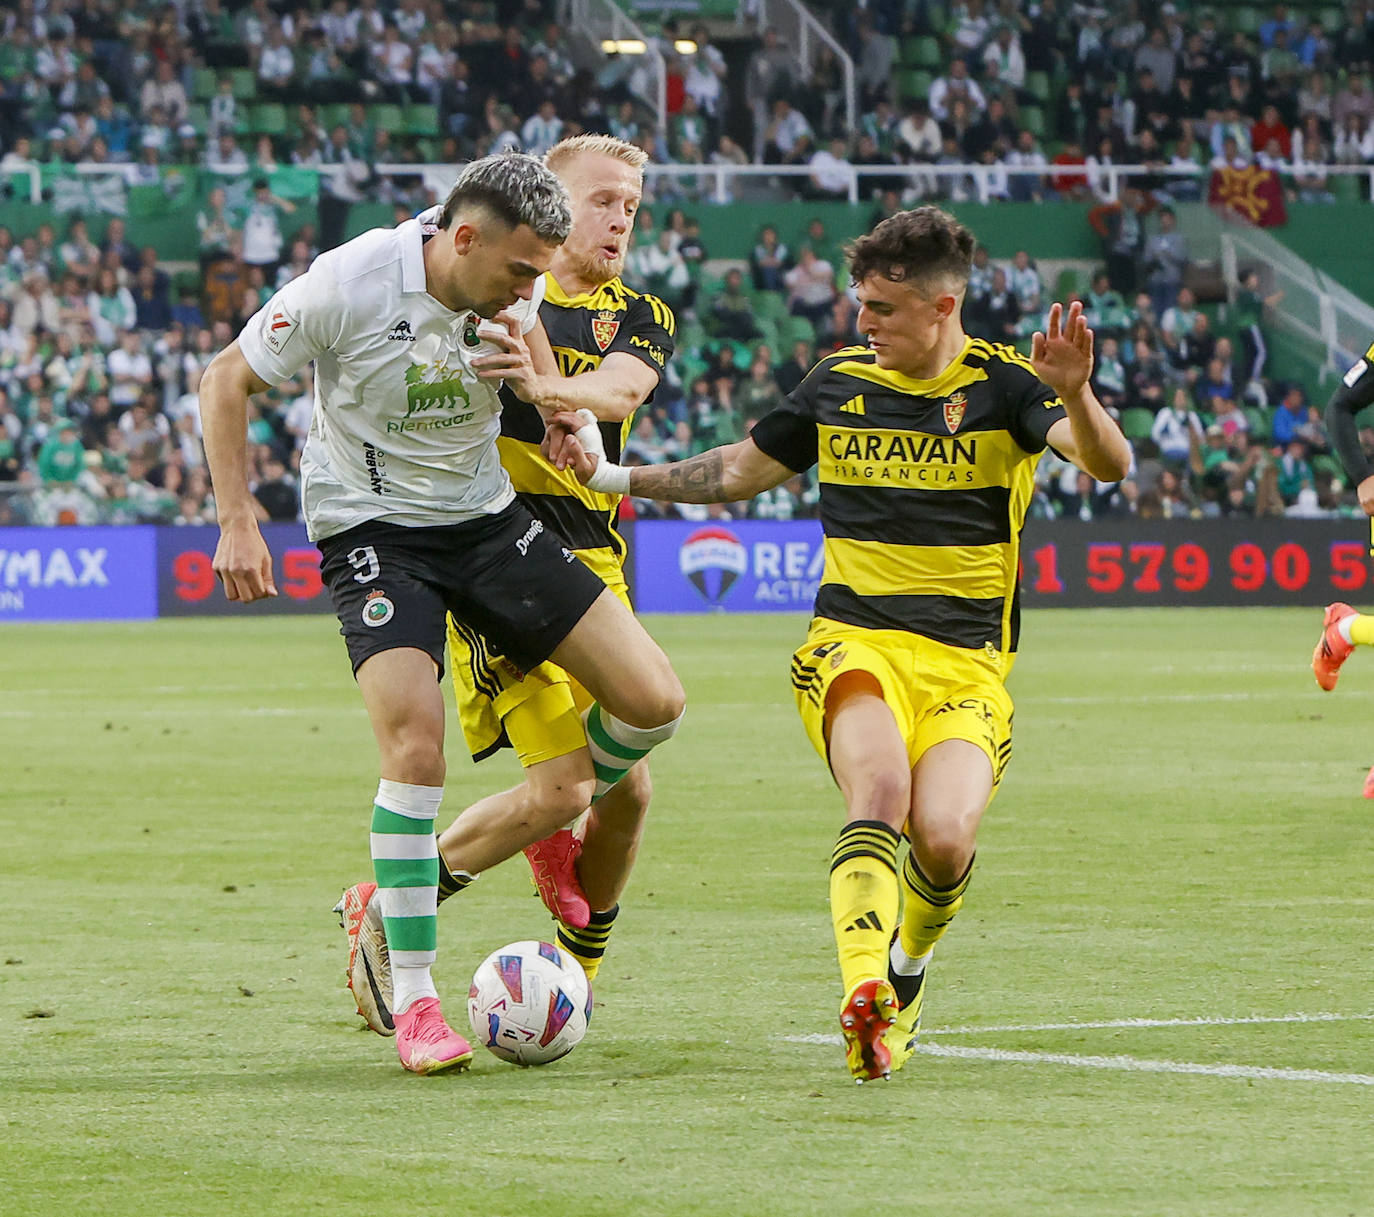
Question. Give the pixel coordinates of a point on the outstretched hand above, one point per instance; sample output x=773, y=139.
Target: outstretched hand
x=562, y=449
x=1062, y=355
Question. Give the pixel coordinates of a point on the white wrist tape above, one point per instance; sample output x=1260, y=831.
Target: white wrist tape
x=609, y=479
x=589, y=434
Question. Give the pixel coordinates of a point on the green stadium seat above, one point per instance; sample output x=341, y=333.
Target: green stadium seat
x=198, y=115
x=204, y=84
x=333, y=115
x=927, y=53
x=1332, y=19
x=1246, y=20
x=388, y=118
x=1136, y=422
x=1325, y=463
x=1038, y=86
x=245, y=83
x=421, y=119
x=913, y=82
x=1261, y=425
x=1032, y=119
x=1066, y=284
x=268, y=118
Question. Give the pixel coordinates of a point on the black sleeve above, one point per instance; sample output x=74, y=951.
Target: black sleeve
x=648, y=332
x=788, y=434
x=1035, y=408
x=1356, y=391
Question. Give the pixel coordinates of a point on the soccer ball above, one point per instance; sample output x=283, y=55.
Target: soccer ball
x=530, y=1003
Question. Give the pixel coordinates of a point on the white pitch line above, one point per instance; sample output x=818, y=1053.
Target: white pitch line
x=1028, y=699
x=1131, y=1064
x=1156, y=1022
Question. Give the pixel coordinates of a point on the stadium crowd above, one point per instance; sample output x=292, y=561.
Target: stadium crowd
x=102, y=346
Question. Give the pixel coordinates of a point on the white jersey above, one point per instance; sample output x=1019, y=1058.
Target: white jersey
x=402, y=428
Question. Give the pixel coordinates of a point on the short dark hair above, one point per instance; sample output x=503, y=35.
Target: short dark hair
x=920, y=244
x=517, y=189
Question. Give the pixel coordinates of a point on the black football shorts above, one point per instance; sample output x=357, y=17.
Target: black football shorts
x=507, y=576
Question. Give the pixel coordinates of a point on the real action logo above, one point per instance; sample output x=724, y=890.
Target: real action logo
x=712, y=559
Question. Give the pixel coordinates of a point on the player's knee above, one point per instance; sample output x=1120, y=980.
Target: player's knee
x=884, y=795
x=414, y=758
x=561, y=791
x=945, y=850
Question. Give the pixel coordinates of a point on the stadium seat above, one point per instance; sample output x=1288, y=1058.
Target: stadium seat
x=1246, y=20
x=421, y=119
x=204, y=84
x=198, y=115
x=927, y=53
x=1038, y=86
x=1136, y=422
x=1066, y=284
x=245, y=83
x=1033, y=120
x=388, y=118
x=1333, y=20
x=268, y=118
x=1325, y=463
x=913, y=82
x=1261, y=425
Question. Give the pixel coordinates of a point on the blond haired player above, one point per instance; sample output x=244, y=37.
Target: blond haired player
x=610, y=345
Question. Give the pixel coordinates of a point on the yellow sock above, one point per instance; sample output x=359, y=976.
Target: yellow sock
x=928, y=909
x=1362, y=631
x=588, y=946
x=863, y=898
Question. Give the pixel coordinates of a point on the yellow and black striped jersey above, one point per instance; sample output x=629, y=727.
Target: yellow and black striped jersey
x=583, y=330
x=924, y=486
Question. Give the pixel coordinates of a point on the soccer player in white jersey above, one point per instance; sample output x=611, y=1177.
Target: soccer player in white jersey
x=405, y=495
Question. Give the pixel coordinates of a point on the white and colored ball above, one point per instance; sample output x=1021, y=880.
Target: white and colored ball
x=530, y=1003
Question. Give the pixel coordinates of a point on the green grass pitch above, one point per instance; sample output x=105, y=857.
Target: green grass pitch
x=1157, y=1000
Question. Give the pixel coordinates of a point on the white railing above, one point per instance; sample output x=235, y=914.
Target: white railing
x=1314, y=306
x=978, y=180
x=799, y=29
x=602, y=21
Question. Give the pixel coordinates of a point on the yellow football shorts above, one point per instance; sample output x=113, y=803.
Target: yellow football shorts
x=935, y=692
x=537, y=713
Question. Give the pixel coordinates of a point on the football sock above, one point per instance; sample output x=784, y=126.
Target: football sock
x=1358, y=630
x=616, y=746
x=928, y=909
x=863, y=898
x=588, y=946
x=405, y=861
x=451, y=882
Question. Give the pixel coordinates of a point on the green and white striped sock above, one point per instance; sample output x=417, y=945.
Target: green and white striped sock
x=616, y=746
x=405, y=861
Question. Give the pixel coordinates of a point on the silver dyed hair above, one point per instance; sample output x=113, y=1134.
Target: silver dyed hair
x=518, y=189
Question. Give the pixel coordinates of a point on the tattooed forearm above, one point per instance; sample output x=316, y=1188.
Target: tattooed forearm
x=699, y=479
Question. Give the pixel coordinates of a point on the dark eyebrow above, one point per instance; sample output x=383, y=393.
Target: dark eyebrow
x=524, y=268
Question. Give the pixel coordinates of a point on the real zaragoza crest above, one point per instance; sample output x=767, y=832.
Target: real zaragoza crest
x=604, y=327
x=955, y=408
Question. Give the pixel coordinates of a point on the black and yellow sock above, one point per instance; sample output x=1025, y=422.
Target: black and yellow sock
x=588, y=946
x=863, y=898
x=927, y=909
x=451, y=882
